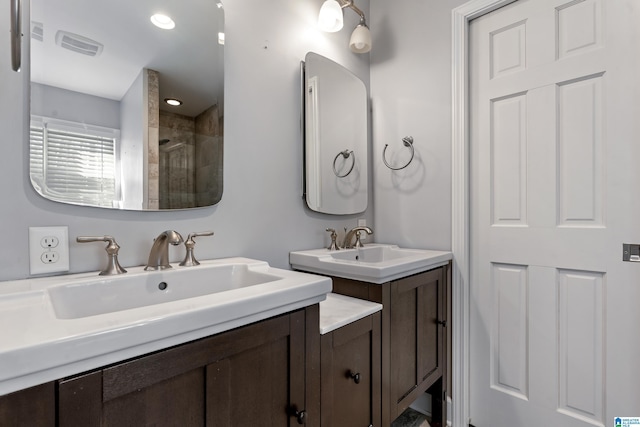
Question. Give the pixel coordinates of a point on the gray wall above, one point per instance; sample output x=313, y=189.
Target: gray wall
x=411, y=95
x=261, y=214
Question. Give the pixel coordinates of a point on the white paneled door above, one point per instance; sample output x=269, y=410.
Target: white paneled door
x=554, y=160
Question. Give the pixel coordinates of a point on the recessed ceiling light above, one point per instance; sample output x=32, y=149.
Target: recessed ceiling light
x=219, y=4
x=173, y=101
x=163, y=21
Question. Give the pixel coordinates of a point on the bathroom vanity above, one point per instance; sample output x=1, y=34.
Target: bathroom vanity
x=227, y=343
x=231, y=342
x=412, y=340
x=411, y=285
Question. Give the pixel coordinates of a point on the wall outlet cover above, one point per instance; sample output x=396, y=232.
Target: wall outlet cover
x=48, y=249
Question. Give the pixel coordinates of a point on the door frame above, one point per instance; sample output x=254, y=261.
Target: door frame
x=460, y=133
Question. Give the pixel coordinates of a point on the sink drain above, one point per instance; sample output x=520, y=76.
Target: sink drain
x=162, y=286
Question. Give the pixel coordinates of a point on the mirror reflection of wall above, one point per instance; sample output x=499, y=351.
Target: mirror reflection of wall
x=336, y=155
x=98, y=113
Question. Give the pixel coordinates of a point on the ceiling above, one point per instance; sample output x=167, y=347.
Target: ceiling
x=188, y=58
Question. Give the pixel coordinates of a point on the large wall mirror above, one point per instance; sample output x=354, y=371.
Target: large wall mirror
x=103, y=132
x=336, y=156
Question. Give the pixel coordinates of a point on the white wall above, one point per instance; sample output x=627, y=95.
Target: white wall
x=411, y=95
x=261, y=214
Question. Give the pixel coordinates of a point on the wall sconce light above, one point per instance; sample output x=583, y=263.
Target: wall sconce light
x=331, y=19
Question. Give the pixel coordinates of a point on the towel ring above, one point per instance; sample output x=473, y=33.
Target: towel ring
x=408, y=142
x=346, y=154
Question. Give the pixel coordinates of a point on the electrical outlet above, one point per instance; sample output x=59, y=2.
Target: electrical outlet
x=50, y=257
x=48, y=249
x=49, y=242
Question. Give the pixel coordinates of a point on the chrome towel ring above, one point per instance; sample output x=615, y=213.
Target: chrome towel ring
x=408, y=142
x=346, y=154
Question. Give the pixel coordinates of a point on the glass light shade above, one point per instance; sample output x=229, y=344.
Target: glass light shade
x=331, y=18
x=360, y=39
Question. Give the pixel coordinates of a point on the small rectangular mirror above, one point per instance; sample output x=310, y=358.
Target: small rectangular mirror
x=335, y=137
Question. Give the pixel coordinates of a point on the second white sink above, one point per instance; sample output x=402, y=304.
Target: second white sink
x=374, y=254
x=374, y=263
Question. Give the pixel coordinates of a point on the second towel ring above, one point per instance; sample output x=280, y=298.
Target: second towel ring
x=346, y=154
x=408, y=142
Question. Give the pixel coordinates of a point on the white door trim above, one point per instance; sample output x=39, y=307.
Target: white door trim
x=460, y=200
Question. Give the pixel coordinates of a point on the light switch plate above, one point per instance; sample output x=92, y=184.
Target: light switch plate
x=48, y=249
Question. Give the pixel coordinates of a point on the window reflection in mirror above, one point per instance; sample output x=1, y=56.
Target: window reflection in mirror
x=336, y=156
x=101, y=133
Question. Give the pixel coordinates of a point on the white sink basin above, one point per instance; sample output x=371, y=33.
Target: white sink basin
x=63, y=325
x=373, y=263
x=116, y=293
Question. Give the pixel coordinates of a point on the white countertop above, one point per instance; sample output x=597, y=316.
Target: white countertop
x=36, y=346
x=339, y=310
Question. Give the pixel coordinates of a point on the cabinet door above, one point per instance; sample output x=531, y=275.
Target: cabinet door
x=351, y=374
x=417, y=336
x=263, y=385
x=253, y=375
x=35, y=406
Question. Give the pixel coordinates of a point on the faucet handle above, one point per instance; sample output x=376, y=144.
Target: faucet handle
x=113, y=266
x=333, y=246
x=190, y=243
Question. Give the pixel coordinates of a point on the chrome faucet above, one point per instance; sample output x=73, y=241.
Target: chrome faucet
x=355, y=231
x=159, y=255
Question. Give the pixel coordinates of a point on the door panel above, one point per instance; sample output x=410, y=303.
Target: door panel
x=552, y=158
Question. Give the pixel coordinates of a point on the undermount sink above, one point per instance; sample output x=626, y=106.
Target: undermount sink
x=373, y=263
x=116, y=293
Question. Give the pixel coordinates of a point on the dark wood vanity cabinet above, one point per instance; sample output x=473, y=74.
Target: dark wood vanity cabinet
x=350, y=367
x=266, y=373
x=413, y=339
x=35, y=406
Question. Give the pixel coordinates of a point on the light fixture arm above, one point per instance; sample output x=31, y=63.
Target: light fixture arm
x=352, y=6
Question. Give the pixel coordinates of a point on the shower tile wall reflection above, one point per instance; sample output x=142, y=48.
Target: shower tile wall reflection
x=190, y=159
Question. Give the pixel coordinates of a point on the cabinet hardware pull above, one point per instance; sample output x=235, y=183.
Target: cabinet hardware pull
x=443, y=323
x=355, y=377
x=301, y=416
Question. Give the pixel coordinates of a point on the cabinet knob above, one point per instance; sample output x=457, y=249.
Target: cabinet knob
x=355, y=377
x=443, y=323
x=301, y=416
